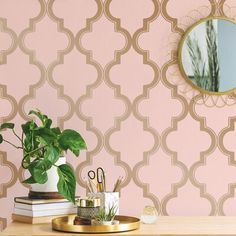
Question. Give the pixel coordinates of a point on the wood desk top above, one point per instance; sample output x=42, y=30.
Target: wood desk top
x=166, y=225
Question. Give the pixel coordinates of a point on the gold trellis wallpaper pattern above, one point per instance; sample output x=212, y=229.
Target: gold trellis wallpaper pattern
x=108, y=68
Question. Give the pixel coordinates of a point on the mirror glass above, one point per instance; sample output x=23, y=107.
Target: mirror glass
x=207, y=55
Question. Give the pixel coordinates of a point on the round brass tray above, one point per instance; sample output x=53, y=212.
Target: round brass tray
x=65, y=224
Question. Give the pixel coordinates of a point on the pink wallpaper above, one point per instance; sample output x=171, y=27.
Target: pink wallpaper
x=109, y=69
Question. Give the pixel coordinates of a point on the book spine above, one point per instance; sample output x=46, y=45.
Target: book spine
x=44, y=213
x=27, y=200
x=47, y=206
x=38, y=201
x=34, y=220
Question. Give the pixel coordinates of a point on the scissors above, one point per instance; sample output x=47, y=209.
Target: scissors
x=100, y=178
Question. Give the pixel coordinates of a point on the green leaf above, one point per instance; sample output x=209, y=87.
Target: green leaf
x=48, y=123
x=37, y=114
x=25, y=161
x=76, y=152
x=40, y=176
x=44, y=119
x=56, y=131
x=38, y=169
x=72, y=140
x=7, y=126
x=1, y=138
x=30, y=141
x=30, y=180
x=28, y=126
x=46, y=134
x=67, y=182
x=32, y=165
x=29, y=144
x=52, y=154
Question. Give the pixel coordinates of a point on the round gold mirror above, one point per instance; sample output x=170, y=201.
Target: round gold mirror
x=207, y=55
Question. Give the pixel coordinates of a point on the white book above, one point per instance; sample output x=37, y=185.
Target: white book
x=46, y=206
x=34, y=220
x=28, y=200
x=51, y=212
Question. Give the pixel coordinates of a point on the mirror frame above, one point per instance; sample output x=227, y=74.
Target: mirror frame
x=180, y=49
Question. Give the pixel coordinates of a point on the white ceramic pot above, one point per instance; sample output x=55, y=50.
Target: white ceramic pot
x=51, y=184
x=106, y=222
x=95, y=222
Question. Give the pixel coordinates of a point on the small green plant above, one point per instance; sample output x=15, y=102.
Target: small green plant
x=108, y=215
x=212, y=52
x=206, y=71
x=198, y=63
x=42, y=146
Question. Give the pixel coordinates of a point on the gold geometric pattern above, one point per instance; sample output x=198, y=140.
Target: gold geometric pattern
x=13, y=175
x=109, y=69
x=11, y=41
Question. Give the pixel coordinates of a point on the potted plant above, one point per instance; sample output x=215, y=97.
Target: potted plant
x=105, y=216
x=42, y=147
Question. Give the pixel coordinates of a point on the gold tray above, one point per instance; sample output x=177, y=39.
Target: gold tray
x=65, y=224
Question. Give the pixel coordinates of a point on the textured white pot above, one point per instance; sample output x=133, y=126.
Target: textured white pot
x=106, y=222
x=51, y=184
x=95, y=222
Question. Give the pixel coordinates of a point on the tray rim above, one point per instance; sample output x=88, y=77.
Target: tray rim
x=60, y=224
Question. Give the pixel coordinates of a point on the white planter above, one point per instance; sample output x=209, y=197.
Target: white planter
x=51, y=184
x=95, y=222
x=105, y=222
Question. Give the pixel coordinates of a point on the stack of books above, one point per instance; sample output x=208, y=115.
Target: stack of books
x=36, y=211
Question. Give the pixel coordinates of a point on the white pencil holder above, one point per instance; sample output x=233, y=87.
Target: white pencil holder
x=108, y=199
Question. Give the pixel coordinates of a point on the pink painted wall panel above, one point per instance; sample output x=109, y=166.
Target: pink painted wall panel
x=109, y=70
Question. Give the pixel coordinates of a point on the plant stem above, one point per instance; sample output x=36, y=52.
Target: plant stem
x=12, y=144
x=22, y=138
x=17, y=135
x=32, y=139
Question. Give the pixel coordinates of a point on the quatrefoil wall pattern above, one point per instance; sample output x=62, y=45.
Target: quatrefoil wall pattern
x=108, y=68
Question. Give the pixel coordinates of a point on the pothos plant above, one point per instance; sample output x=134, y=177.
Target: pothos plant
x=42, y=146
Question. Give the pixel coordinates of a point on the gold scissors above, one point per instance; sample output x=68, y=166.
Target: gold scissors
x=99, y=175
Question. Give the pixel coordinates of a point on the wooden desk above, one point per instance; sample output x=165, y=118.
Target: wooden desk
x=166, y=225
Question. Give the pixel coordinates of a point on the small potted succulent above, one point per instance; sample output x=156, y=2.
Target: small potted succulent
x=105, y=216
x=43, y=149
